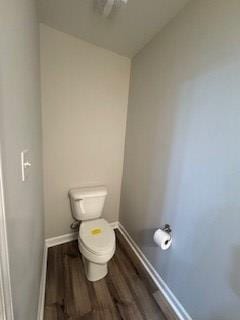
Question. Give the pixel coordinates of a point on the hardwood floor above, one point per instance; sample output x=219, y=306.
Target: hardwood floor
x=125, y=293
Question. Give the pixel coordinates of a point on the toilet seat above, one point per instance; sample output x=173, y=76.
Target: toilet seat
x=97, y=238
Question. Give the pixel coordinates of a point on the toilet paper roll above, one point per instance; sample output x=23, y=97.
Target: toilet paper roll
x=162, y=239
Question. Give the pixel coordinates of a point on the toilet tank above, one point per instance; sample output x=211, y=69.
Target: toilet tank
x=87, y=203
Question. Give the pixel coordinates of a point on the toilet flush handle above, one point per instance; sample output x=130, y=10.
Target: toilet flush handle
x=81, y=206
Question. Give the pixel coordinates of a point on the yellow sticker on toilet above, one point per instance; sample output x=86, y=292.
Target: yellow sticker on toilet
x=96, y=231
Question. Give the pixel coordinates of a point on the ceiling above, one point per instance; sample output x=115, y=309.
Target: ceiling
x=125, y=32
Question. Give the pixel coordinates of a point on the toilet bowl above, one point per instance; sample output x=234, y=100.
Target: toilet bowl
x=96, y=243
x=96, y=239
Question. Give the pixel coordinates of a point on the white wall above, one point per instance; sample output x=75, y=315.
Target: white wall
x=182, y=156
x=84, y=106
x=20, y=128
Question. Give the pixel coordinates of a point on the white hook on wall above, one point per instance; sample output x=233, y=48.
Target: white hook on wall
x=25, y=164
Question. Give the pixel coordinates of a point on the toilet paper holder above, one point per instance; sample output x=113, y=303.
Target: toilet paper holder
x=163, y=237
x=166, y=228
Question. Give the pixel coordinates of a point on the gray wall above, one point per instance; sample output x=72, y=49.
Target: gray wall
x=182, y=162
x=20, y=129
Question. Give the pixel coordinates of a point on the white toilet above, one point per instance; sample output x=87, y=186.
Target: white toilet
x=96, y=239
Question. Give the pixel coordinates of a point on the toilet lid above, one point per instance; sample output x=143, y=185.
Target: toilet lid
x=97, y=236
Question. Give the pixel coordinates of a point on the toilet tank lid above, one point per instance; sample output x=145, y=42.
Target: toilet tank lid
x=87, y=192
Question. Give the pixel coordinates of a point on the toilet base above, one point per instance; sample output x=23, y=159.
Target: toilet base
x=94, y=271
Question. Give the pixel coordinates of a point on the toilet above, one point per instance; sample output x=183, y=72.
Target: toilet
x=96, y=239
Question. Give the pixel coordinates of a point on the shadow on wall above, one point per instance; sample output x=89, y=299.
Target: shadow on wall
x=234, y=273
x=146, y=237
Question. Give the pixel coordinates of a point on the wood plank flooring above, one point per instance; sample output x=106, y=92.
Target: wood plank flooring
x=126, y=293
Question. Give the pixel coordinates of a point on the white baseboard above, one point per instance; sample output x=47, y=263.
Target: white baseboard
x=55, y=241
x=42, y=285
x=176, y=306
x=173, y=302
